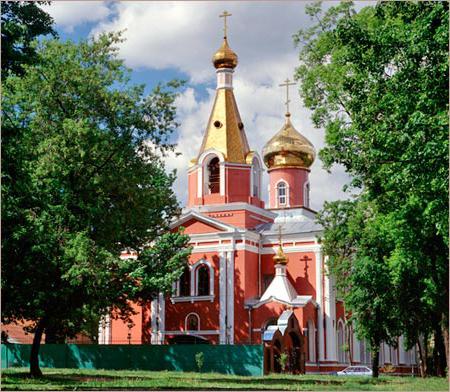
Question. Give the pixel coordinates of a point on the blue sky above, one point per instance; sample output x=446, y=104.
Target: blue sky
x=166, y=40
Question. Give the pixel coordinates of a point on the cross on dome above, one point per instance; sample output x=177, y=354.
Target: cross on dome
x=286, y=84
x=224, y=15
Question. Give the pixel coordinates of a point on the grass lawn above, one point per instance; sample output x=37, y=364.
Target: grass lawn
x=71, y=379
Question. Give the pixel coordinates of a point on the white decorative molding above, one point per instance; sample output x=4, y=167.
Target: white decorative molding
x=104, y=330
x=202, y=176
x=194, y=277
x=235, y=206
x=204, y=332
x=320, y=301
x=186, y=319
x=330, y=316
x=306, y=194
x=162, y=317
x=277, y=204
x=224, y=78
x=192, y=299
x=222, y=296
x=356, y=346
x=230, y=298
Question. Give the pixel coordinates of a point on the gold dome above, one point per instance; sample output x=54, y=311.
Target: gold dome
x=225, y=57
x=280, y=257
x=288, y=148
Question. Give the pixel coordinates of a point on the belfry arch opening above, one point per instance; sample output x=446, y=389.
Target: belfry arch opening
x=212, y=175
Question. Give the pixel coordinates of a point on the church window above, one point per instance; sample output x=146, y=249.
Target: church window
x=192, y=322
x=306, y=195
x=255, y=178
x=203, y=280
x=214, y=175
x=281, y=194
x=185, y=283
x=311, y=341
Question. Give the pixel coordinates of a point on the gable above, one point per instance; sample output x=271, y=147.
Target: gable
x=194, y=226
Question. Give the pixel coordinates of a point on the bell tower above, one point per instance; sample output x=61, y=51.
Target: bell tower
x=225, y=169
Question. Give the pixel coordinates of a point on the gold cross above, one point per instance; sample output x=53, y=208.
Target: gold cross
x=224, y=15
x=286, y=84
x=279, y=235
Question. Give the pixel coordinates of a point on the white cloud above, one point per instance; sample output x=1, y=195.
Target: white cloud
x=70, y=14
x=184, y=35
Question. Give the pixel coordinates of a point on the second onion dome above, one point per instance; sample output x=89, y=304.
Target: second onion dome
x=225, y=57
x=288, y=148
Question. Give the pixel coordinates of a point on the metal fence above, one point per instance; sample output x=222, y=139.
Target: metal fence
x=226, y=359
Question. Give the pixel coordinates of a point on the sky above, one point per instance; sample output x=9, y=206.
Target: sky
x=166, y=40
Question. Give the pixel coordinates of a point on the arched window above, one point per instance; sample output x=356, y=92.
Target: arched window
x=341, y=342
x=256, y=178
x=306, y=195
x=214, y=175
x=311, y=341
x=192, y=322
x=185, y=283
x=282, y=193
x=203, y=280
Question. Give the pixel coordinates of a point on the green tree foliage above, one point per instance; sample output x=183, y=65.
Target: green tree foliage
x=356, y=241
x=377, y=82
x=82, y=180
x=21, y=24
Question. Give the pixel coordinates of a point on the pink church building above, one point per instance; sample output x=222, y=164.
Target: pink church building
x=257, y=274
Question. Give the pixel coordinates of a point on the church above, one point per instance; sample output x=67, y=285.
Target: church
x=257, y=273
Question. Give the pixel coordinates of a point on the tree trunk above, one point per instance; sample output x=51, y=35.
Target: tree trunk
x=35, y=370
x=422, y=360
x=375, y=361
x=445, y=336
x=439, y=358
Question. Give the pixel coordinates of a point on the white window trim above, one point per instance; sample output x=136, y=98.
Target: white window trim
x=194, y=277
x=186, y=320
x=176, y=285
x=277, y=205
x=192, y=299
x=202, y=178
x=260, y=170
x=306, y=193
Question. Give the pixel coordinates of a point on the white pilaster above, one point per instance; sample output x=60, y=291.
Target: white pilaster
x=319, y=300
x=356, y=346
x=162, y=318
x=330, y=316
x=104, y=330
x=222, y=296
x=154, y=321
x=230, y=297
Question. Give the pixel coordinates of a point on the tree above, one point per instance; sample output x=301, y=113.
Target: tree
x=82, y=180
x=356, y=240
x=376, y=81
x=22, y=23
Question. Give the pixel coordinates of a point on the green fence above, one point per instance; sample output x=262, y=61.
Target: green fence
x=228, y=359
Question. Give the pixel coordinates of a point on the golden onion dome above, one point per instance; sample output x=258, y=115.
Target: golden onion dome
x=288, y=148
x=280, y=257
x=225, y=57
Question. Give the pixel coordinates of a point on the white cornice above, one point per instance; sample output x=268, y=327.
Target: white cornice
x=235, y=207
x=202, y=218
